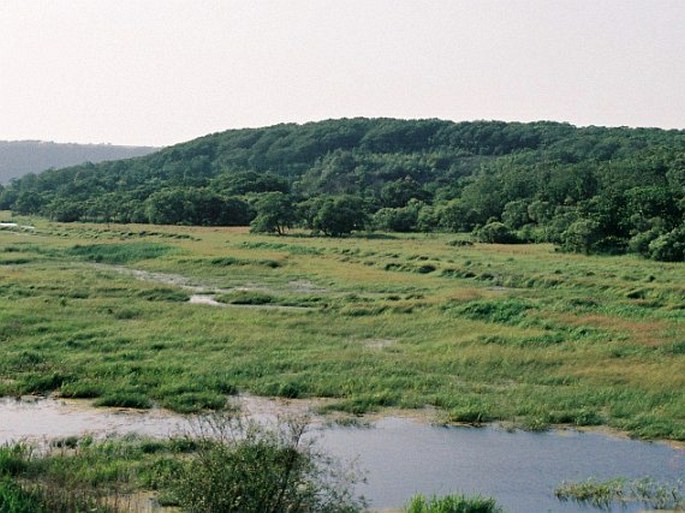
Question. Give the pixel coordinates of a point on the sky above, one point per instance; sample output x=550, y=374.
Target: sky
x=159, y=72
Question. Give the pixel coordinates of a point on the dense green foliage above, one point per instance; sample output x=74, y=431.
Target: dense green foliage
x=587, y=189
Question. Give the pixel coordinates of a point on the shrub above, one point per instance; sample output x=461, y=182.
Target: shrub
x=582, y=236
x=640, y=242
x=243, y=467
x=401, y=219
x=497, y=233
x=669, y=247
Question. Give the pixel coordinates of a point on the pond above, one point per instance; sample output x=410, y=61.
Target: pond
x=519, y=469
x=402, y=456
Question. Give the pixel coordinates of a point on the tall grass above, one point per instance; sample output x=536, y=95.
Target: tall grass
x=120, y=253
x=646, y=491
x=452, y=504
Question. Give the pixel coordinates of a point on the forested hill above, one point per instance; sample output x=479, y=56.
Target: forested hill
x=587, y=189
x=18, y=158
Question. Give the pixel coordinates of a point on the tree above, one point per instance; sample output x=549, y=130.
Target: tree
x=166, y=206
x=235, y=212
x=456, y=216
x=582, y=236
x=398, y=193
x=63, y=210
x=28, y=203
x=648, y=202
x=245, y=182
x=275, y=213
x=515, y=214
x=340, y=215
x=396, y=219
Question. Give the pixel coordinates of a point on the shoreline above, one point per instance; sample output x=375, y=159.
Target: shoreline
x=264, y=407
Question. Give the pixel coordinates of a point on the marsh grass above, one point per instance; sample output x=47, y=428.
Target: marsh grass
x=521, y=334
x=246, y=297
x=70, y=477
x=452, y=504
x=604, y=495
x=121, y=253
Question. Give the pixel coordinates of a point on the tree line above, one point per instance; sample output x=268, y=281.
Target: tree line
x=590, y=189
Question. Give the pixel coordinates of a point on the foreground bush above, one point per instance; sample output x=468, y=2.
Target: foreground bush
x=243, y=467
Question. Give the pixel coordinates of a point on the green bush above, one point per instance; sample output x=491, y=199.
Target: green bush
x=669, y=247
x=582, y=236
x=640, y=242
x=401, y=219
x=497, y=233
x=243, y=467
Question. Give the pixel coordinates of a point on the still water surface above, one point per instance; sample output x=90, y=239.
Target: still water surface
x=402, y=456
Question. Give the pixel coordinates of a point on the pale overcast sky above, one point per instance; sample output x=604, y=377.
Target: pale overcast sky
x=158, y=72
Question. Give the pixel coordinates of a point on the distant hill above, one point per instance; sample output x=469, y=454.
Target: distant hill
x=587, y=189
x=18, y=158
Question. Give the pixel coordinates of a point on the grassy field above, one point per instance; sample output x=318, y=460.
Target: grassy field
x=515, y=333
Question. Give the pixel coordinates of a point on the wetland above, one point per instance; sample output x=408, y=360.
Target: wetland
x=484, y=335
x=399, y=456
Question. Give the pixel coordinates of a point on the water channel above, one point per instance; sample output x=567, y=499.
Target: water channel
x=401, y=456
